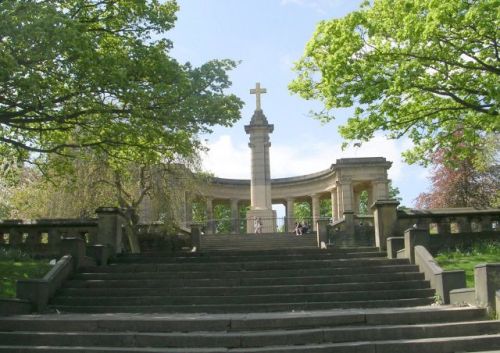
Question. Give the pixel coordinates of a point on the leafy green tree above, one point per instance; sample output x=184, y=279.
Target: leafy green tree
x=421, y=68
x=302, y=211
x=222, y=215
x=325, y=207
x=97, y=74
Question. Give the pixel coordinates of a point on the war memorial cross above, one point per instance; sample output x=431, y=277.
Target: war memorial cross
x=258, y=91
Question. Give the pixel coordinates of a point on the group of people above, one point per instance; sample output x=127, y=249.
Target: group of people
x=300, y=228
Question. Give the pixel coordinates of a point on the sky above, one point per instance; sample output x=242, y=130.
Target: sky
x=267, y=37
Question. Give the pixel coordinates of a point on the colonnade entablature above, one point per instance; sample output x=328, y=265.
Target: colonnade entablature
x=342, y=184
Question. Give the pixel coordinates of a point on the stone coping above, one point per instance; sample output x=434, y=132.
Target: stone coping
x=448, y=211
x=50, y=222
x=343, y=162
x=277, y=181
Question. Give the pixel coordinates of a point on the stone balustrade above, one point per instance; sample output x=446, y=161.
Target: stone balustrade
x=44, y=236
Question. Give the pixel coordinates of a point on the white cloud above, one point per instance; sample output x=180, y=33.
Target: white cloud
x=227, y=159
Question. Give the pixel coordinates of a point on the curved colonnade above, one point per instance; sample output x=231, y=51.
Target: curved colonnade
x=342, y=183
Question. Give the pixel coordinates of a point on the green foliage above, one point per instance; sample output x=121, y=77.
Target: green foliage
x=222, y=215
x=467, y=258
x=421, y=68
x=97, y=74
x=302, y=211
x=325, y=208
x=14, y=265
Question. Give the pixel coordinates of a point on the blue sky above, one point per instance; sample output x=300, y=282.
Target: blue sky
x=267, y=36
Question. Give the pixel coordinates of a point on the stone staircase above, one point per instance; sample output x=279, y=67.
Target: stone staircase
x=257, y=281
x=267, y=241
x=268, y=301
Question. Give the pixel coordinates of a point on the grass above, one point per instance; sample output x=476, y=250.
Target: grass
x=14, y=265
x=465, y=259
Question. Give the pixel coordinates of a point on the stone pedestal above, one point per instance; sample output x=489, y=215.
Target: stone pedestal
x=385, y=218
x=268, y=218
x=414, y=237
x=487, y=282
x=110, y=228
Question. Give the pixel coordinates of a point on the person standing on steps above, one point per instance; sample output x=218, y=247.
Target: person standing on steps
x=257, y=225
x=298, y=228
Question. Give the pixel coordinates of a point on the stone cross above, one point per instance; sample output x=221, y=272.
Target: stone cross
x=258, y=91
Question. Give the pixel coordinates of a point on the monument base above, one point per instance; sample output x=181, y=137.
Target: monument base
x=267, y=217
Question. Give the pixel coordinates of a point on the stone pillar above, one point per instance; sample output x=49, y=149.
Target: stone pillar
x=15, y=236
x=235, y=217
x=414, y=237
x=340, y=203
x=315, y=210
x=210, y=216
x=356, y=200
x=487, y=282
x=380, y=189
x=74, y=246
x=347, y=196
x=370, y=200
x=260, y=181
x=54, y=240
x=196, y=236
x=188, y=210
x=335, y=204
x=290, y=219
x=385, y=218
x=109, y=222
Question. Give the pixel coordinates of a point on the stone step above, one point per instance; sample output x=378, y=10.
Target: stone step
x=137, y=272
x=249, y=265
x=152, y=280
x=244, y=308
x=270, y=252
x=240, y=322
x=427, y=345
x=333, y=250
x=246, y=339
x=242, y=290
x=158, y=258
x=360, y=295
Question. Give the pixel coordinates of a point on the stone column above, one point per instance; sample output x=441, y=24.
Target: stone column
x=260, y=182
x=188, y=210
x=210, y=216
x=347, y=196
x=335, y=204
x=380, y=189
x=110, y=232
x=290, y=219
x=340, y=202
x=487, y=282
x=315, y=210
x=235, y=217
x=385, y=218
x=356, y=199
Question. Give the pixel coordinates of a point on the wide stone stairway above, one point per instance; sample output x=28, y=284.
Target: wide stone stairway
x=293, y=300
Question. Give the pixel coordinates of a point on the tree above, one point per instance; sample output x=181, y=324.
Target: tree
x=97, y=74
x=461, y=184
x=421, y=68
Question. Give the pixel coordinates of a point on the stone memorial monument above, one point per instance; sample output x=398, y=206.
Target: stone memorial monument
x=260, y=182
